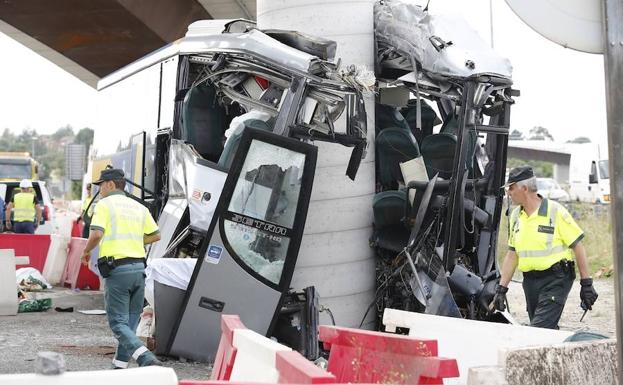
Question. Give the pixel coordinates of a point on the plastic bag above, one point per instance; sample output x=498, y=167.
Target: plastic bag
x=34, y=305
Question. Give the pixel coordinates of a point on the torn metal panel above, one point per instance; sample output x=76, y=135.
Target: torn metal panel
x=441, y=44
x=167, y=223
x=200, y=182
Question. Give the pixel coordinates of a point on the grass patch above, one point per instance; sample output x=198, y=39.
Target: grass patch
x=593, y=219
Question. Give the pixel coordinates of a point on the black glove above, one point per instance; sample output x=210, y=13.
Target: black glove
x=499, y=300
x=588, y=295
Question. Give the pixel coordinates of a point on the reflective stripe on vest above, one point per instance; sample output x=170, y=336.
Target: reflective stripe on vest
x=24, y=207
x=114, y=234
x=542, y=259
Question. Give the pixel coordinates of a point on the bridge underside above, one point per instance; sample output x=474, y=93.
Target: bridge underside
x=93, y=38
x=558, y=159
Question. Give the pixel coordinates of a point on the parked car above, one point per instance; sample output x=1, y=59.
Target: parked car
x=47, y=225
x=549, y=188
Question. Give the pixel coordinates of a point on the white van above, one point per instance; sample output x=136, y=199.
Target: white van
x=589, y=181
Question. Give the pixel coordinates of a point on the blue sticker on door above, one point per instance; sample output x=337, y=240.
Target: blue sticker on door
x=213, y=255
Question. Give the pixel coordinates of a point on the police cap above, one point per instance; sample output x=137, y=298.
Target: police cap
x=518, y=174
x=110, y=174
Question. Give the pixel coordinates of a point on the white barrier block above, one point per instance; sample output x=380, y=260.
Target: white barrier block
x=486, y=375
x=256, y=357
x=8, y=288
x=152, y=375
x=55, y=261
x=471, y=343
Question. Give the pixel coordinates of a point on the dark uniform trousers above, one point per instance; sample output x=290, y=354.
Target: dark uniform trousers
x=546, y=293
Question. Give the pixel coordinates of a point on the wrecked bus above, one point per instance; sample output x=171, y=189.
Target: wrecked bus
x=229, y=171
x=435, y=234
x=236, y=207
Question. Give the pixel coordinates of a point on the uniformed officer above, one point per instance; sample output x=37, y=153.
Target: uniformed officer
x=543, y=237
x=124, y=227
x=26, y=210
x=88, y=207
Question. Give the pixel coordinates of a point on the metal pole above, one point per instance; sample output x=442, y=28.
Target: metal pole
x=612, y=11
x=491, y=21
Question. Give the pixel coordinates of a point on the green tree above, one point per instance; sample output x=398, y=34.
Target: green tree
x=541, y=169
x=85, y=136
x=63, y=132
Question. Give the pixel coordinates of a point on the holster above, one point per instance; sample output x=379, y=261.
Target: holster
x=105, y=266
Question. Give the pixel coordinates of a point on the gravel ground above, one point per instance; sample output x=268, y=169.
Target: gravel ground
x=601, y=319
x=85, y=340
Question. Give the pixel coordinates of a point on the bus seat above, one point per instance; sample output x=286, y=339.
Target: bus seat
x=388, y=116
x=203, y=122
x=394, y=145
x=450, y=126
x=428, y=118
x=438, y=152
x=389, y=210
x=227, y=157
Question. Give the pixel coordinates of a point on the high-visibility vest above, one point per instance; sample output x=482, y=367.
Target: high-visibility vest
x=85, y=204
x=24, y=207
x=544, y=238
x=124, y=223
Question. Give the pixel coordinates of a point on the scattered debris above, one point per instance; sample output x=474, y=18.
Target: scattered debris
x=34, y=305
x=93, y=312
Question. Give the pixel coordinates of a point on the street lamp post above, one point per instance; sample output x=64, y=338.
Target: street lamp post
x=32, y=147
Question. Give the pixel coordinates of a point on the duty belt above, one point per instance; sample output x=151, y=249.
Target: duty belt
x=560, y=266
x=127, y=261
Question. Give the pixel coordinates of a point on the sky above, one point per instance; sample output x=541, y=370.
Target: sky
x=561, y=89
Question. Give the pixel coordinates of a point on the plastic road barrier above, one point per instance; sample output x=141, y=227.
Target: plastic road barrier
x=358, y=356
x=472, y=343
x=76, y=275
x=226, y=353
x=293, y=368
x=56, y=259
x=30, y=245
x=256, y=357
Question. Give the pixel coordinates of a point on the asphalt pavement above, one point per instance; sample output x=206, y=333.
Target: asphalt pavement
x=85, y=340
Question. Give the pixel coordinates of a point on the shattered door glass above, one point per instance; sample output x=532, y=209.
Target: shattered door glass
x=431, y=288
x=260, y=217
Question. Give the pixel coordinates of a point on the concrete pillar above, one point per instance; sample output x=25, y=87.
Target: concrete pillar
x=335, y=256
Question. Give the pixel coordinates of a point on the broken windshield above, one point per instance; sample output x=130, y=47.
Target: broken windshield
x=263, y=207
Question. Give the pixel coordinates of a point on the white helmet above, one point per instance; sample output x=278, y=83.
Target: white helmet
x=25, y=183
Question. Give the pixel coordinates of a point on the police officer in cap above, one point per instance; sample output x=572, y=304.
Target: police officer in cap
x=543, y=239
x=122, y=227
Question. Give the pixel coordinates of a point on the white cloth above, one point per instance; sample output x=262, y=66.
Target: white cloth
x=174, y=272
x=26, y=272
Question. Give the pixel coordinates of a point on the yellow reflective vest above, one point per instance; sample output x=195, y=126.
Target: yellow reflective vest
x=543, y=238
x=24, y=207
x=85, y=204
x=124, y=222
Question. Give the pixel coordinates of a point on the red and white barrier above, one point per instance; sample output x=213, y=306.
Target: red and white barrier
x=244, y=355
x=293, y=368
x=255, y=358
x=75, y=274
x=472, y=343
x=56, y=259
x=226, y=353
x=30, y=245
x=361, y=356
